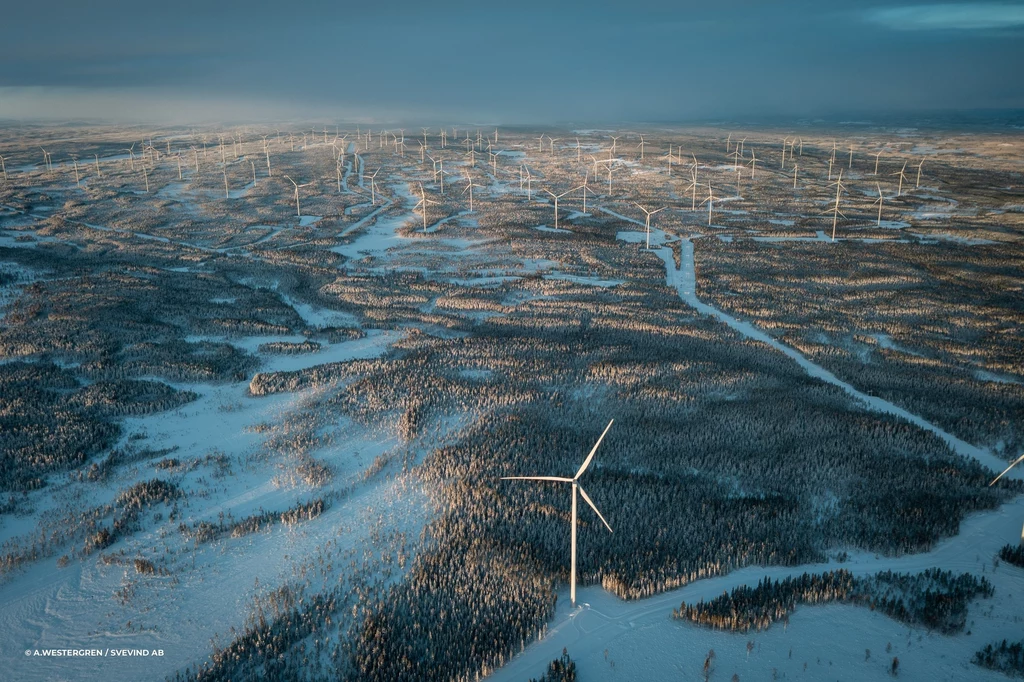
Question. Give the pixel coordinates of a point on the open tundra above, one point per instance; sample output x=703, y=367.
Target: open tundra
x=259, y=389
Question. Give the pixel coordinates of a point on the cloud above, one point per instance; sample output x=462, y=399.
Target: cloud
x=949, y=17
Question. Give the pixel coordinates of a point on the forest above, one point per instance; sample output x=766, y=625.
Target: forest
x=1006, y=657
x=516, y=342
x=935, y=599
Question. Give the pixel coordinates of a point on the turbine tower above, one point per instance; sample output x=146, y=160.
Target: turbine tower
x=586, y=498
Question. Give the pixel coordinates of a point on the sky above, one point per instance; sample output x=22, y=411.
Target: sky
x=505, y=61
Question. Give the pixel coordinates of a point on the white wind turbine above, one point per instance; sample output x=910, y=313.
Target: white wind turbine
x=586, y=188
x=692, y=188
x=710, y=201
x=557, y=197
x=575, y=487
x=3, y=167
x=903, y=176
x=835, y=210
x=615, y=142
x=373, y=187
x=469, y=188
x=642, y=146
x=298, y=210
x=422, y=205
x=1006, y=471
x=879, y=201
x=648, y=221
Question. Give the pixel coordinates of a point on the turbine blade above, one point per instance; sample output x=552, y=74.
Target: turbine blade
x=587, y=499
x=1013, y=464
x=560, y=479
x=586, y=462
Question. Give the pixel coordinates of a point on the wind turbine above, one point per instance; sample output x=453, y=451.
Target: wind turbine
x=879, y=202
x=469, y=188
x=373, y=187
x=575, y=487
x=579, y=151
x=1005, y=471
x=551, y=144
x=78, y=181
x=903, y=176
x=753, y=163
x=611, y=164
x=615, y=142
x=586, y=189
x=642, y=146
x=3, y=167
x=540, y=142
x=671, y=159
x=422, y=204
x=918, y=184
x=710, y=201
x=648, y=221
x=692, y=188
x=835, y=210
x=298, y=211
x=557, y=197
x=876, y=160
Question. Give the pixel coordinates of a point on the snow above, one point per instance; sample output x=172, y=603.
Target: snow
x=645, y=642
x=53, y=607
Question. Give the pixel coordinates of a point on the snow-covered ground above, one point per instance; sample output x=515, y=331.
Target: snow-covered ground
x=611, y=639
x=614, y=639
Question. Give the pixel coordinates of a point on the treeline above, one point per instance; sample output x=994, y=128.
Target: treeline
x=934, y=598
x=1006, y=657
x=562, y=669
x=207, y=531
x=1013, y=554
x=289, y=348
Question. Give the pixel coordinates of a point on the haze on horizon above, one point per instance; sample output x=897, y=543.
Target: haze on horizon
x=530, y=62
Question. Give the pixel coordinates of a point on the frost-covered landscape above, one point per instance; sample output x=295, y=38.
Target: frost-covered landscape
x=260, y=385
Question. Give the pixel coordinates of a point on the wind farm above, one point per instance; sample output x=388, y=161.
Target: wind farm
x=351, y=338
x=586, y=378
